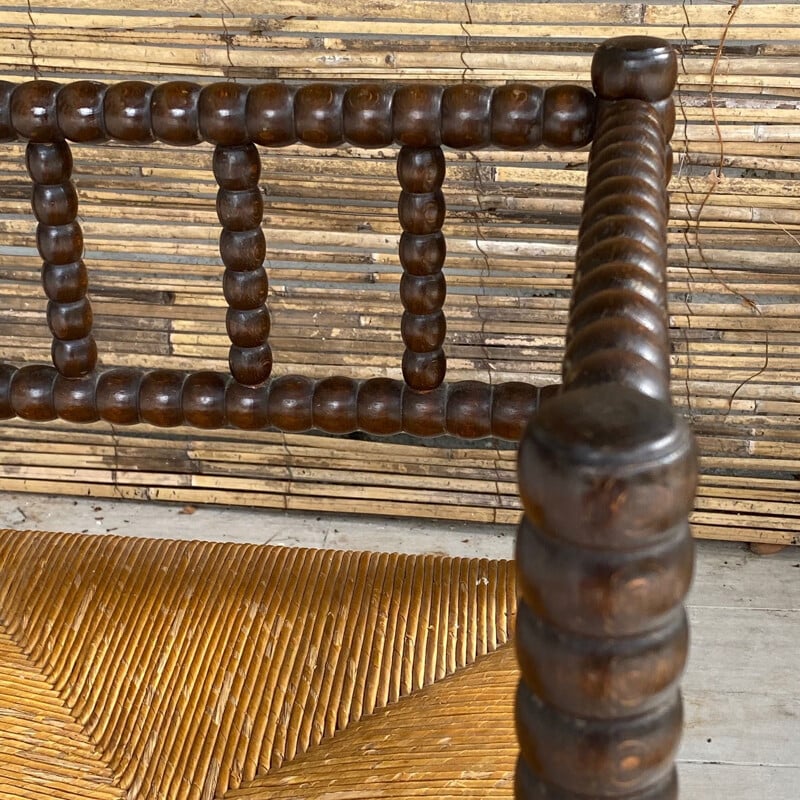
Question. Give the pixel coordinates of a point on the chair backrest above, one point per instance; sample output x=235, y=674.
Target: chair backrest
x=421, y=119
x=607, y=470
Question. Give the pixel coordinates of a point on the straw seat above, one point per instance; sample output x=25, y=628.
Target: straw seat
x=146, y=668
x=452, y=740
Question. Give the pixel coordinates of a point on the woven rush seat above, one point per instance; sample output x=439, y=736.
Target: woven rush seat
x=144, y=668
x=151, y=669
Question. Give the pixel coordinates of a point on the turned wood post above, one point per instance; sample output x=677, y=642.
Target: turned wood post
x=44, y=113
x=607, y=475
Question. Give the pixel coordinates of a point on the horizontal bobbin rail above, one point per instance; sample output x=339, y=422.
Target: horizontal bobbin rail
x=292, y=403
x=465, y=116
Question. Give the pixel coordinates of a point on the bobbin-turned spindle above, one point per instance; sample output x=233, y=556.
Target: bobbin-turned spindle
x=607, y=474
x=421, y=210
x=59, y=240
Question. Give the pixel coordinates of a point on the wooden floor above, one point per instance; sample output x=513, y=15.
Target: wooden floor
x=742, y=687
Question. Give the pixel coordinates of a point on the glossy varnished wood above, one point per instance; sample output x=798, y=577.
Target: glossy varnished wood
x=169, y=398
x=237, y=168
x=464, y=116
x=59, y=240
x=421, y=209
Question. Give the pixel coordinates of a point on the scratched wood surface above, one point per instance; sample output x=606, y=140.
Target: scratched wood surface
x=330, y=219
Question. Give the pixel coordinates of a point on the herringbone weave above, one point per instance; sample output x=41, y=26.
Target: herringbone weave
x=150, y=669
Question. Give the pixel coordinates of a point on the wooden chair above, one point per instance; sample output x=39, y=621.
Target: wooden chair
x=145, y=668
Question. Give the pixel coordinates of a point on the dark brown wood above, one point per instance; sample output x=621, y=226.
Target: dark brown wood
x=466, y=116
x=203, y=400
x=463, y=116
x=80, y=111
x=607, y=475
x=417, y=115
x=517, y=111
x=168, y=398
x=118, y=396
x=160, y=398
x=174, y=112
x=568, y=117
x=222, y=112
x=7, y=132
x=34, y=113
x=425, y=413
x=318, y=114
x=421, y=209
x=240, y=208
x=270, y=115
x=638, y=67
x=334, y=406
x=59, y=240
x=126, y=109
x=367, y=114
x=75, y=399
x=380, y=406
x=618, y=328
x=31, y=392
x=469, y=409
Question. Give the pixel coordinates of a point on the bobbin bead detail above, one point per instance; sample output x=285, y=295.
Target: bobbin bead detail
x=421, y=210
x=7, y=132
x=318, y=114
x=59, y=240
x=290, y=402
x=379, y=406
x=250, y=365
x=55, y=204
x=517, y=111
x=160, y=398
x=80, y=111
x=568, y=117
x=33, y=111
x=222, y=113
x=31, y=392
x=607, y=478
x=648, y=460
x=74, y=399
x=367, y=115
x=118, y=396
x=270, y=114
x=65, y=283
x=417, y=115
x=640, y=67
x=203, y=400
x=174, y=112
x=466, y=116
x=126, y=108
x=420, y=169
x=49, y=164
x=237, y=168
x=335, y=405
x=74, y=357
x=243, y=248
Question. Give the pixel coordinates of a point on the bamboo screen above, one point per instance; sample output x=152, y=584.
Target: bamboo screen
x=330, y=219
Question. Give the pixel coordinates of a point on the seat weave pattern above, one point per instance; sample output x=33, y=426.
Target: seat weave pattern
x=453, y=740
x=145, y=668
